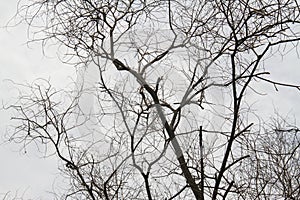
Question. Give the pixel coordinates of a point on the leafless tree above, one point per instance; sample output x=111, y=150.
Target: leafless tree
x=272, y=170
x=170, y=115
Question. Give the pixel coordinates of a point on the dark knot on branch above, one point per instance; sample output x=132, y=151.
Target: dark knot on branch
x=119, y=65
x=71, y=166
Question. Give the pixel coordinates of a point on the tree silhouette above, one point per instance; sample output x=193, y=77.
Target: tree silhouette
x=170, y=118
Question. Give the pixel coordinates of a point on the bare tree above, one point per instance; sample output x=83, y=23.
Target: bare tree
x=272, y=169
x=170, y=116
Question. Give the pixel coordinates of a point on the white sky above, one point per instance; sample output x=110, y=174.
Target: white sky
x=24, y=172
x=19, y=172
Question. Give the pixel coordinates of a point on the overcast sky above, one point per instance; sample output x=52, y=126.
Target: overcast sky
x=19, y=171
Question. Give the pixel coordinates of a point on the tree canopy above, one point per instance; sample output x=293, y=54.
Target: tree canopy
x=169, y=117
